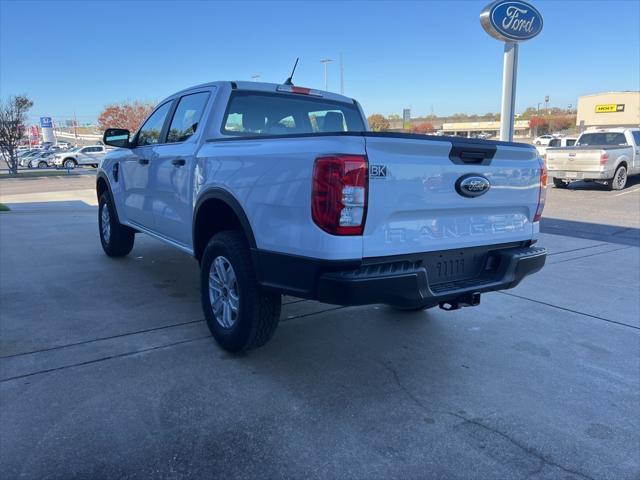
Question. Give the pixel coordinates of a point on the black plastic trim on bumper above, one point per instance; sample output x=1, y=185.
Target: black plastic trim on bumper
x=406, y=283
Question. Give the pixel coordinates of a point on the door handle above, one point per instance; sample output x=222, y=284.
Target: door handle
x=143, y=161
x=178, y=162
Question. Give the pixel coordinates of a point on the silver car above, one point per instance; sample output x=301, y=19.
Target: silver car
x=90, y=155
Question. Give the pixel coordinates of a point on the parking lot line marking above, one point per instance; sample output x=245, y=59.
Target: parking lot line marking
x=571, y=311
x=629, y=191
x=97, y=360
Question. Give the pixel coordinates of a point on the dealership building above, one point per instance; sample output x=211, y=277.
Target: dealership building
x=610, y=109
x=467, y=129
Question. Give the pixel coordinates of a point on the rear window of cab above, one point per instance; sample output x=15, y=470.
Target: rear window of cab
x=262, y=113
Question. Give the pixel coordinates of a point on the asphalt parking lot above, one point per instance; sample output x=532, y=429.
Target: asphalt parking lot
x=107, y=369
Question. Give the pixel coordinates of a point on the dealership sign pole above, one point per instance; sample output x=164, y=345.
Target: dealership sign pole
x=511, y=22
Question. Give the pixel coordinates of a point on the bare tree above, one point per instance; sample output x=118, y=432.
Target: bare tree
x=13, y=116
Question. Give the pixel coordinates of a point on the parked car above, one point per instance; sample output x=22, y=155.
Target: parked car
x=64, y=145
x=281, y=189
x=543, y=140
x=41, y=160
x=25, y=157
x=606, y=156
x=556, y=142
x=90, y=155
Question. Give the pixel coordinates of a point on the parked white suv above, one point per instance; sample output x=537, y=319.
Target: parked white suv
x=90, y=155
x=281, y=189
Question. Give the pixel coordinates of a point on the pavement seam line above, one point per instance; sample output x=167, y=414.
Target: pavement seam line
x=120, y=335
x=615, y=322
x=591, y=255
x=579, y=249
x=102, y=359
x=88, y=362
x=100, y=339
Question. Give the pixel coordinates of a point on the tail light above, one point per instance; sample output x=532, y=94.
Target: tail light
x=604, y=158
x=542, y=193
x=339, y=194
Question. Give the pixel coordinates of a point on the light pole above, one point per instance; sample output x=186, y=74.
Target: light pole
x=255, y=77
x=546, y=104
x=325, y=61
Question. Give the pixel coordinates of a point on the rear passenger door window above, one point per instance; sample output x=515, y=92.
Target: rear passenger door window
x=186, y=118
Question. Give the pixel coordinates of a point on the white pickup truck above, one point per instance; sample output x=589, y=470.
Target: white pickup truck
x=607, y=156
x=279, y=189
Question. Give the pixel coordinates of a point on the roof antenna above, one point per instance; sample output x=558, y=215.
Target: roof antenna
x=288, y=80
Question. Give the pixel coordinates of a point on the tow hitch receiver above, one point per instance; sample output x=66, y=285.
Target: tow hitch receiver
x=468, y=300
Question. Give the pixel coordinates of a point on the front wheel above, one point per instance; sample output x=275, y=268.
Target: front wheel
x=69, y=163
x=619, y=180
x=42, y=165
x=116, y=239
x=239, y=313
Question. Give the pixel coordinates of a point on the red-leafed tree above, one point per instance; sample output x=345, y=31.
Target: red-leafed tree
x=539, y=125
x=424, y=127
x=129, y=115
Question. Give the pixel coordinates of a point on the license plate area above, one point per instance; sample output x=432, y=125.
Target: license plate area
x=454, y=265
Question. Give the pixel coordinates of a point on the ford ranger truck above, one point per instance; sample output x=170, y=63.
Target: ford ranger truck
x=607, y=156
x=279, y=189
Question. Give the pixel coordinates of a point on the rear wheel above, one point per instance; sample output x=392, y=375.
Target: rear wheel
x=116, y=239
x=69, y=163
x=239, y=313
x=619, y=180
x=559, y=183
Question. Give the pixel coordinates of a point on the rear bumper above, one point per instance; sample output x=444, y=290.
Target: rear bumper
x=406, y=283
x=574, y=175
x=402, y=281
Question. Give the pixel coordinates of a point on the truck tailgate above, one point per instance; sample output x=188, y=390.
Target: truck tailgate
x=574, y=159
x=414, y=206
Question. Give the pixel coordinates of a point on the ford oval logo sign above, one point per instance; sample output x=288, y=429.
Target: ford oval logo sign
x=511, y=21
x=472, y=185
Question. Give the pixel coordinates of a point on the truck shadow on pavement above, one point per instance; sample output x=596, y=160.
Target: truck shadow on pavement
x=592, y=231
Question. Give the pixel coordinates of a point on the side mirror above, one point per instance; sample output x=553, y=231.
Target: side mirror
x=116, y=137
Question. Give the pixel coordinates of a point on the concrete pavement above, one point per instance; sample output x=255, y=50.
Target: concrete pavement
x=108, y=370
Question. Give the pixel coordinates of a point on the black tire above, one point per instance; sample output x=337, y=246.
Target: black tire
x=69, y=163
x=559, y=183
x=120, y=238
x=42, y=165
x=619, y=180
x=257, y=311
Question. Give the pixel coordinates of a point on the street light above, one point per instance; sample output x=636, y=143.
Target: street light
x=255, y=77
x=325, y=61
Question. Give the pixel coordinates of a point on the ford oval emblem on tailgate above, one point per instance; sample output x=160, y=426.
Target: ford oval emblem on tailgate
x=472, y=185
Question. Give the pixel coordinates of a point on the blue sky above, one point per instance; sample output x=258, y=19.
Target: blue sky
x=77, y=56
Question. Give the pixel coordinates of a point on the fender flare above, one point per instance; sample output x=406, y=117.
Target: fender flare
x=103, y=176
x=217, y=193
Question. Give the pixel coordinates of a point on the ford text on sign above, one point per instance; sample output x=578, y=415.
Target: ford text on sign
x=511, y=21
